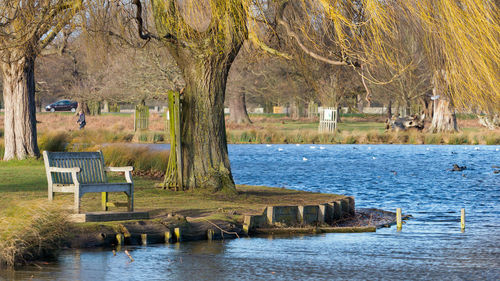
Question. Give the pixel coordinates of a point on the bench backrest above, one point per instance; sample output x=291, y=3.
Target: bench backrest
x=90, y=163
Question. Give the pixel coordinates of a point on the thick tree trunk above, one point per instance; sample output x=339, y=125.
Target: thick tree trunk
x=389, y=110
x=443, y=113
x=238, y=109
x=20, y=109
x=205, y=161
x=82, y=106
x=408, y=107
x=204, y=54
x=106, y=106
x=444, y=118
x=359, y=103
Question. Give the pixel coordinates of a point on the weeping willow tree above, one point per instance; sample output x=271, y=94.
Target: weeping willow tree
x=460, y=38
x=204, y=38
x=26, y=28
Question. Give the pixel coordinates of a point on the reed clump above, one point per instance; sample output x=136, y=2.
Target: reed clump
x=459, y=138
x=150, y=137
x=492, y=139
x=361, y=137
x=54, y=141
x=32, y=230
x=144, y=160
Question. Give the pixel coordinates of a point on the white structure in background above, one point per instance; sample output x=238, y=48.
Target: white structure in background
x=258, y=110
x=327, y=120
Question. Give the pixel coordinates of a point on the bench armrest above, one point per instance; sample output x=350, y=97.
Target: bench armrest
x=73, y=172
x=127, y=170
x=64, y=170
x=119, y=169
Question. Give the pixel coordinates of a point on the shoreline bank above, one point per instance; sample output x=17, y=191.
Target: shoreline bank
x=175, y=229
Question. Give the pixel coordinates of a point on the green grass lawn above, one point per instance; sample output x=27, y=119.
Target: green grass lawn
x=293, y=125
x=26, y=181
x=361, y=126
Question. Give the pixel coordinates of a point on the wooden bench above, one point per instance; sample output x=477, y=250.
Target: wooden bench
x=84, y=172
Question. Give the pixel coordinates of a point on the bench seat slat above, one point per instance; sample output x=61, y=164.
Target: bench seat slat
x=64, y=188
x=105, y=187
x=101, y=187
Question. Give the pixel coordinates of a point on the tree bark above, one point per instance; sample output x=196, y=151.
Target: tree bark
x=238, y=109
x=82, y=106
x=204, y=55
x=444, y=118
x=106, y=106
x=20, y=109
x=359, y=103
x=389, y=110
x=205, y=161
x=443, y=113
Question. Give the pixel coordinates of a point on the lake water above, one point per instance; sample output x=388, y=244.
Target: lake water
x=416, y=178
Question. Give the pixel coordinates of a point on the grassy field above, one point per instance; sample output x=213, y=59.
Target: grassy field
x=26, y=181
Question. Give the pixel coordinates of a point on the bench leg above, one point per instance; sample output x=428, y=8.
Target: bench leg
x=77, y=200
x=130, y=197
x=51, y=194
x=104, y=201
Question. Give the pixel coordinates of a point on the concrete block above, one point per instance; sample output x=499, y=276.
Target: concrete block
x=270, y=215
x=345, y=206
x=286, y=215
x=352, y=208
x=336, y=210
x=308, y=214
x=247, y=220
x=322, y=213
x=259, y=221
x=255, y=221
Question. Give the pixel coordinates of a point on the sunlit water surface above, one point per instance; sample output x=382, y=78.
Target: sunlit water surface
x=415, y=178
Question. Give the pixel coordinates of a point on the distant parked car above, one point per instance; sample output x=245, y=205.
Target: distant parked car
x=62, y=105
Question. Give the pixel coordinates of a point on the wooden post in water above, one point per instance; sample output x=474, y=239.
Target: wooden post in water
x=178, y=233
x=210, y=234
x=120, y=239
x=168, y=236
x=398, y=219
x=144, y=239
x=462, y=219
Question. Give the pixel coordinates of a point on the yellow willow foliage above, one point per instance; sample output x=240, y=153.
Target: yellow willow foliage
x=461, y=40
x=212, y=23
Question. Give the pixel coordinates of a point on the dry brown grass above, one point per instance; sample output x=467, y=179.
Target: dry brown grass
x=67, y=122
x=31, y=230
